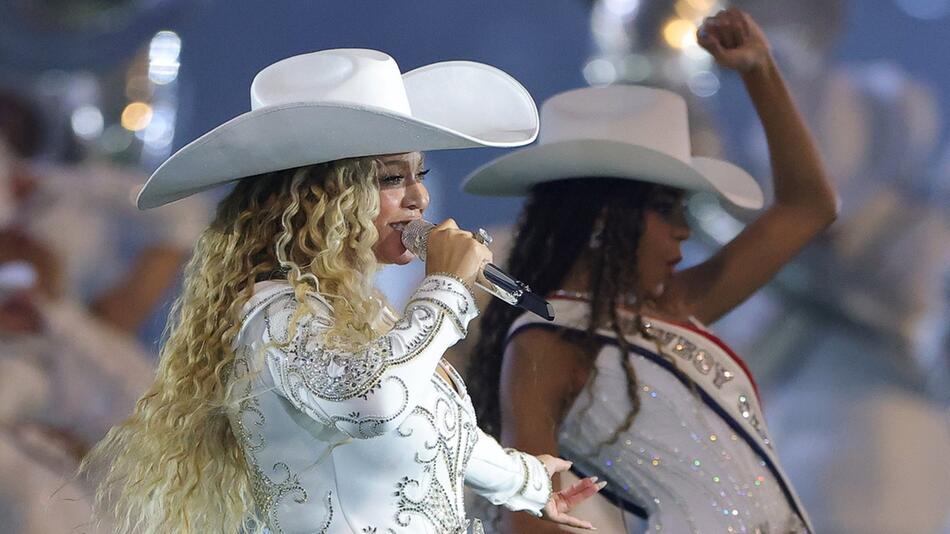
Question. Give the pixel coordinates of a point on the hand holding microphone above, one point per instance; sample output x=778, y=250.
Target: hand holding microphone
x=451, y=250
x=445, y=248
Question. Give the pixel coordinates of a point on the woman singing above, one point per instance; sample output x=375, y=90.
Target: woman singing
x=288, y=394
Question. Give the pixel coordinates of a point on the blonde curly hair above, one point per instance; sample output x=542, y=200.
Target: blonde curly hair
x=175, y=465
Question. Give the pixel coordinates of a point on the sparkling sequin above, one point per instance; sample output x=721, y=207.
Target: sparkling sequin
x=702, y=361
x=338, y=375
x=722, y=375
x=450, y=448
x=708, y=465
x=251, y=441
x=304, y=368
x=268, y=493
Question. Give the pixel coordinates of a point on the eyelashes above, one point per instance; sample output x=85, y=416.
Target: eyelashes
x=668, y=208
x=399, y=179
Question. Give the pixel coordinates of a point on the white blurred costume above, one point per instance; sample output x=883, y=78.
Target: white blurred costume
x=851, y=342
x=698, y=457
x=371, y=440
x=78, y=375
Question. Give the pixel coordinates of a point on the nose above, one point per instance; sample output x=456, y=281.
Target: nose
x=417, y=197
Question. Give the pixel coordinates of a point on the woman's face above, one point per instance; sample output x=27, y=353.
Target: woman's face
x=665, y=228
x=402, y=198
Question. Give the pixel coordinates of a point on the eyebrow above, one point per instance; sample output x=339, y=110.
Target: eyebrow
x=403, y=163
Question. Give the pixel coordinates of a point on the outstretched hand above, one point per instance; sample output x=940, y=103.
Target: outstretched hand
x=735, y=40
x=562, y=502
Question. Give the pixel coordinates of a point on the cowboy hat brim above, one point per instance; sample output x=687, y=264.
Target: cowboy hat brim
x=516, y=173
x=455, y=104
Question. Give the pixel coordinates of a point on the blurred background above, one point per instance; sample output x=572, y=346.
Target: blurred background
x=850, y=344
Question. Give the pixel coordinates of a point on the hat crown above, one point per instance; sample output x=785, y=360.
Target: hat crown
x=644, y=116
x=355, y=76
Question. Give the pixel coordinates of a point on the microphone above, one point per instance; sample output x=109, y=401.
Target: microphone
x=415, y=237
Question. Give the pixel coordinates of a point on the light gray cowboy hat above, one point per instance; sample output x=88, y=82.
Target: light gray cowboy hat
x=344, y=103
x=621, y=131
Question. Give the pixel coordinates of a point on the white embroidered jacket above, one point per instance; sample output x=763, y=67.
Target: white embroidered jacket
x=372, y=441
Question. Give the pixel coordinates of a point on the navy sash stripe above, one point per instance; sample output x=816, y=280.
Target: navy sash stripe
x=613, y=497
x=688, y=382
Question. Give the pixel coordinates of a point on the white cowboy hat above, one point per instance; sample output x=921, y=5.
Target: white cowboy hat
x=621, y=131
x=344, y=103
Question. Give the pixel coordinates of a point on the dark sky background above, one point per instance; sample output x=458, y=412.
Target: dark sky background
x=543, y=43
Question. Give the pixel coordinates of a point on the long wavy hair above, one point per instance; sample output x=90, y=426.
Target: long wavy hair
x=175, y=465
x=607, y=213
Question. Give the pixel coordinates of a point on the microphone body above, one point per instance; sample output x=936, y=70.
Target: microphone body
x=415, y=237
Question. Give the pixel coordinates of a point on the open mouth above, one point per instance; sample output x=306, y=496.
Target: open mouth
x=401, y=225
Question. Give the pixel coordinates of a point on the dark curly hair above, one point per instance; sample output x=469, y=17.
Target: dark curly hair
x=554, y=230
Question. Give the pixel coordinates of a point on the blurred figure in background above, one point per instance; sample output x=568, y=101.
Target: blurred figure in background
x=80, y=272
x=851, y=335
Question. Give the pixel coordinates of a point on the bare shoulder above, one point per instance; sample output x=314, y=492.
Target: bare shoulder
x=541, y=375
x=546, y=360
x=550, y=345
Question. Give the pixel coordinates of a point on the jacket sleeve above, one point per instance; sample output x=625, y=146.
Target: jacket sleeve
x=368, y=391
x=507, y=477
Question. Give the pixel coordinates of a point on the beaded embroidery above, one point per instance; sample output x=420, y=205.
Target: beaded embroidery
x=704, y=363
x=251, y=441
x=455, y=436
x=305, y=366
x=338, y=375
x=267, y=493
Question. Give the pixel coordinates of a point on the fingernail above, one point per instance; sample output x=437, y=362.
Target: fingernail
x=594, y=479
x=601, y=485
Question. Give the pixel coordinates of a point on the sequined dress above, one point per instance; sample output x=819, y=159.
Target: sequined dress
x=698, y=457
x=369, y=441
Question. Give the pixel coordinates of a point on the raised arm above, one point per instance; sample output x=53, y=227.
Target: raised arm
x=805, y=201
x=368, y=391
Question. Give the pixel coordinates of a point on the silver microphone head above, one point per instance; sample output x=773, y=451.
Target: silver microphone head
x=415, y=237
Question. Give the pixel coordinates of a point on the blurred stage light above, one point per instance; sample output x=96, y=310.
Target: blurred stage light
x=636, y=68
x=163, y=55
x=679, y=33
x=688, y=11
x=136, y=116
x=622, y=8
x=115, y=139
x=87, y=122
x=158, y=136
x=706, y=209
x=600, y=72
x=703, y=5
x=703, y=83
